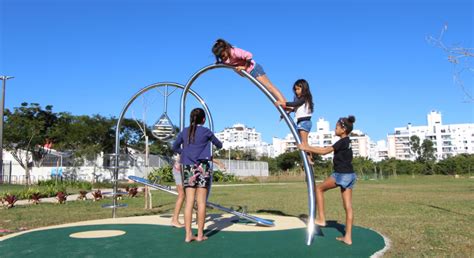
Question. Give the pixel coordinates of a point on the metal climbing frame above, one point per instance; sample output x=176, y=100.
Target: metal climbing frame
x=308, y=169
x=116, y=166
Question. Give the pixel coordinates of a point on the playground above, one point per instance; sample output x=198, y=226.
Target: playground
x=385, y=208
x=266, y=221
x=147, y=236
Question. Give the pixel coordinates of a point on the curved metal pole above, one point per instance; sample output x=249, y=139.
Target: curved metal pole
x=291, y=126
x=119, y=121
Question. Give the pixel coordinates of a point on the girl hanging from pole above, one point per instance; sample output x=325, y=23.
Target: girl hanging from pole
x=243, y=60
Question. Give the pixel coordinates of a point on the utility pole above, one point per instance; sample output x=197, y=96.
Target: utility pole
x=2, y=106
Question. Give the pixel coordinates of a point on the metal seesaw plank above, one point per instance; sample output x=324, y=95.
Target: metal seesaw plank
x=257, y=220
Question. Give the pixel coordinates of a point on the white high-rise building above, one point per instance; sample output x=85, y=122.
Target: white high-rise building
x=378, y=151
x=322, y=137
x=448, y=140
x=242, y=137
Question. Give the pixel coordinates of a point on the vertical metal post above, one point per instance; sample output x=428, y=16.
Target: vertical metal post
x=2, y=106
x=166, y=99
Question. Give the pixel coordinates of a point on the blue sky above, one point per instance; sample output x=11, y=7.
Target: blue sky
x=366, y=58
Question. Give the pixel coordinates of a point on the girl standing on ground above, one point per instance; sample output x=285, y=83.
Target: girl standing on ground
x=242, y=60
x=195, y=158
x=179, y=187
x=343, y=175
x=303, y=106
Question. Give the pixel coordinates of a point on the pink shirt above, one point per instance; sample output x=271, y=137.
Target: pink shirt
x=239, y=57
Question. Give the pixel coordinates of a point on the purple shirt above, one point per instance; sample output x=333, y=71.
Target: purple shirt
x=200, y=149
x=239, y=57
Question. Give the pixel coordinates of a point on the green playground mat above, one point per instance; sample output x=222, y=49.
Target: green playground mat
x=144, y=240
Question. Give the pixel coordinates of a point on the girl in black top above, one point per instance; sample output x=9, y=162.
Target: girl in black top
x=343, y=175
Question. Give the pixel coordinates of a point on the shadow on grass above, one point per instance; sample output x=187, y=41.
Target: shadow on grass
x=440, y=208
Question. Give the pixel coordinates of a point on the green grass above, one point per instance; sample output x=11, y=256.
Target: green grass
x=9, y=188
x=423, y=216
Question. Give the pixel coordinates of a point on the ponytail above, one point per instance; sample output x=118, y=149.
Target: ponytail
x=196, y=118
x=347, y=123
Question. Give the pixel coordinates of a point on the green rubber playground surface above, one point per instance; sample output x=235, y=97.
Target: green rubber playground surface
x=145, y=240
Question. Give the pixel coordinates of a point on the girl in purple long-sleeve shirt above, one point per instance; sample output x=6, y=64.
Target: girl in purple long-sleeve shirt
x=195, y=157
x=242, y=60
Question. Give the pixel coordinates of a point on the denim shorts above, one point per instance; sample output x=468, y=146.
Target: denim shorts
x=304, y=125
x=257, y=71
x=344, y=180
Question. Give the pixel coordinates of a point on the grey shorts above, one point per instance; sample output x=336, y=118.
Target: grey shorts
x=177, y=177
x=344, y=180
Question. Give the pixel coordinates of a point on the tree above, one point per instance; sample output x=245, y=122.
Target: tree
x=322, y=167
x=26, y=131
x=389, y=165
x=460, y=57
x=288, y=160
x=415, y=146
x=428, y=151
x=85, y=136
x=362, y=164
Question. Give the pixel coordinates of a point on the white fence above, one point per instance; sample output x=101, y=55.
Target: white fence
x=246, y=168
x=16, y=174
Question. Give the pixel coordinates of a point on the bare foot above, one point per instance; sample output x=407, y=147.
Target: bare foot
x=344, y=240
x=203, y=238
x=320, y=223
x=176, y=224
x=189, y=239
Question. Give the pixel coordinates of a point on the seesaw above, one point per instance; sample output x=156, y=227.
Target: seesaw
x=257, y=220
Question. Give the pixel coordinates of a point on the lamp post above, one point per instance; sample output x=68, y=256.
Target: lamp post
x=228, y=167
x=2, y=106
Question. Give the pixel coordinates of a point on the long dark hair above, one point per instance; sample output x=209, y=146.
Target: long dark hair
x=220, y=46
x=347, y=123
x=196, y=118
x=305, y=92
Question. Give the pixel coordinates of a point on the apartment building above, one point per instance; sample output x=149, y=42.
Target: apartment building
x=241, y=137
x=448, y=140
x=324, y=136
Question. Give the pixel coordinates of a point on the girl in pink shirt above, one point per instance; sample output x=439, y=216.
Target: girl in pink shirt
x=242, y=60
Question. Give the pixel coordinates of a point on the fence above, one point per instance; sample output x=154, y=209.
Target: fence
x=13, y=173
x=6, y=172
x=246, y=168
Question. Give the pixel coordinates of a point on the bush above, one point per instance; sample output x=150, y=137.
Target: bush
x=66, y=183
x=44, y=191
x=163, y=174
x=121, y=184
x=219, y=176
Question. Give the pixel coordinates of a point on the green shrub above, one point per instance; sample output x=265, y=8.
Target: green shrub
x=252, y=179
x=163, y=174
x=219, y=176
x=66, y=183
